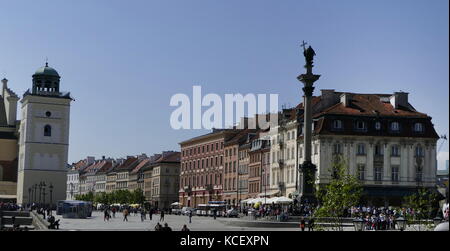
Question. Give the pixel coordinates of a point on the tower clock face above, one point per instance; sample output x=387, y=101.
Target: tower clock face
x=48, y=114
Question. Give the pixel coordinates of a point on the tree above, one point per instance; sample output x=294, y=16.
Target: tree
x=85, y=197
x=343, y=192
x=138, y=196
x=423, y=203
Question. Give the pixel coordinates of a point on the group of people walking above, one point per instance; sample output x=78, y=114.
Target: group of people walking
x=110, y=212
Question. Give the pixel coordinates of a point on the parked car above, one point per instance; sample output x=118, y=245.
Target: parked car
x=186, y=210
x=176, y=211
x=232, y=213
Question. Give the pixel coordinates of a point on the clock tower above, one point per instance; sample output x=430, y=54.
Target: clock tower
x=44, y=140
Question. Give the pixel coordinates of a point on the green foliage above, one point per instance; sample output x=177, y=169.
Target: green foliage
x=343, y=192
x=85, y=197
x=422, y=203
x=117, y=196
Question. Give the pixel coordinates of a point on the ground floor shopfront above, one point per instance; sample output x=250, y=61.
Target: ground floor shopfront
x=194, y=198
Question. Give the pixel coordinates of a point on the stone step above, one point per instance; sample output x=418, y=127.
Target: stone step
x=16, y=213
x=19, y=220
x=22, y=227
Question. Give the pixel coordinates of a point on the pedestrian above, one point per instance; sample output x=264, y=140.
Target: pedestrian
x=150, y=213
x=125, y=215
x=190, y=216
x=114, y=212
x=185, y=229
x=158, y=227
x=166, y=228
x=302, y=224
x=215, y=213
x=106, y=215
x=311, y=224
x=162, y=216
x=142, y=215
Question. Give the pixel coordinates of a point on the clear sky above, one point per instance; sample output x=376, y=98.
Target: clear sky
x=123, y=60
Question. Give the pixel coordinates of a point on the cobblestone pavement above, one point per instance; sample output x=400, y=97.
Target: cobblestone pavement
x=134, y=224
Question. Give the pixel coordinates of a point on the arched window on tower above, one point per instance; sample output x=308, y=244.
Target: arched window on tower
x=47, y=131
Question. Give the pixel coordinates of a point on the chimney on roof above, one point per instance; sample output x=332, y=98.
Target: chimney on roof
x=399, y=99
x=90, y=160
x=142, y=156
x=166, y=153
x=103, y=157
x=346, y=99
x=328, y=98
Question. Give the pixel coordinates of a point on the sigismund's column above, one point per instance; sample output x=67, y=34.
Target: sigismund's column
x=307, y=168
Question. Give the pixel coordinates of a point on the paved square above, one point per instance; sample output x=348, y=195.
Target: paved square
x=96, y=223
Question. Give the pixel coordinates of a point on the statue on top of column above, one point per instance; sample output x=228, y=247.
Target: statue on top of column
x=309, y=54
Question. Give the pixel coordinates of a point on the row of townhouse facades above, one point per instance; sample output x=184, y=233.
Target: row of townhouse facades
x=156, y=176
x=385, y=142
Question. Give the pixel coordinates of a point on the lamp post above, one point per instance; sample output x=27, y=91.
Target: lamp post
x=51, y=197
x=43, y=192
x=307, y=168
x=40, y=192
x=29, y=197
x=401, y=223
x=358, y=223
x=34, y=192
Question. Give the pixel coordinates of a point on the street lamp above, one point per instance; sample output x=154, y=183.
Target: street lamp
x=358, y=223
x=401, y=223
x=43, y=192
x=34, y=193
x=51, y=197
x=29, y=196
x=40, y=192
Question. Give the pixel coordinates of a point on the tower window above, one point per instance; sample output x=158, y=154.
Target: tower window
x=47, y=131
x=48, y=114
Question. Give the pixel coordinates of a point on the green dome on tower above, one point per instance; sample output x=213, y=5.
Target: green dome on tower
x=46, y=71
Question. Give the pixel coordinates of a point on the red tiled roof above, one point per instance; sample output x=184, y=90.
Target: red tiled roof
x=370, y=105
x=127, y=164
x=141, y=164
x=170, y=157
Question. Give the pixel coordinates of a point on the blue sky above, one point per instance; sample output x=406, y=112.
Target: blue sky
x=123, y=60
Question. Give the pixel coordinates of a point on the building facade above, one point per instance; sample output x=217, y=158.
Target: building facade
x=44, y=136
x=384, y=141
x=202, y=168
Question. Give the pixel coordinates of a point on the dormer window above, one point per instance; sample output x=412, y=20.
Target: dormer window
x=360, y=125
x=337, y=124
x=418, y=127
x=377, y=126
x=395, y=126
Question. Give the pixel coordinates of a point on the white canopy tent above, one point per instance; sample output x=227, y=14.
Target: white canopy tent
x=282, y=200
x=277, y=200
